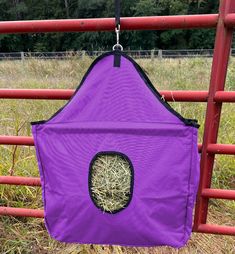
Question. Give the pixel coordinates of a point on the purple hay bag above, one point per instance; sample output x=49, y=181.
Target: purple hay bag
x=118, y=109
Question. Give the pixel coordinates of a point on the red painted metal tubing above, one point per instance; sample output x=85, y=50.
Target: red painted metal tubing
x=21, y=212
x=195, y=96
x=108, y=24
x=230, y=20
x=169, y=22
x=215, y=229
x=52, y=94
x=221, y=149
x=65, y=94
x=28, y=141
x=16, y=140
x=199, y=148
x=20, y=180
x=218, y=193
x=224, y=96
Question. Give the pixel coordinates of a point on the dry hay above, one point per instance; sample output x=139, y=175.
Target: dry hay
x=110, y=182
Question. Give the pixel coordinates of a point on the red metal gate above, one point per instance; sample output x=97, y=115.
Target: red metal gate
x=224, y=22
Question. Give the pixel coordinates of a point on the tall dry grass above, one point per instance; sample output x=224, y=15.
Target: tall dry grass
x=27, y=235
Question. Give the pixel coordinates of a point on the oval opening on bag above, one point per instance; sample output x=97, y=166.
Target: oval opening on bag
x=111, y=178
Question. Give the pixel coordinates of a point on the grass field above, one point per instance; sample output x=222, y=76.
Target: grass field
x=28, y=235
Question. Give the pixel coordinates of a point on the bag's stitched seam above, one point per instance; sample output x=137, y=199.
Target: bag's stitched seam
x=44, y=181
x=77, y=122
x=189, y=189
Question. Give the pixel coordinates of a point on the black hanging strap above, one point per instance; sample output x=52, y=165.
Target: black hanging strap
x=117, y=13
x=117, y=58
x=117, y=53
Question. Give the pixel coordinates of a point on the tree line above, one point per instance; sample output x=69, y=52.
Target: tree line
x=72, y=9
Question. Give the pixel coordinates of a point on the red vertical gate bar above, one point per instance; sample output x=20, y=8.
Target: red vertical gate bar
x=217, y=82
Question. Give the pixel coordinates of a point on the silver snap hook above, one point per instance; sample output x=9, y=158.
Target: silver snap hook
x=117, y=45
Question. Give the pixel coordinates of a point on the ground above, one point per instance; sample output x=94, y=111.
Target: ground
x=28, y=235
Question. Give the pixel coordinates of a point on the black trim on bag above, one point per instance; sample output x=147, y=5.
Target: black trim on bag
x=186, y=121
x=131, y=182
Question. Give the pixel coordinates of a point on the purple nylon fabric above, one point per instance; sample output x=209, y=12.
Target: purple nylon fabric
x=116, y=109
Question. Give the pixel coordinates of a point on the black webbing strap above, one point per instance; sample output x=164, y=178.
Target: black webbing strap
x=117, y=13
x=117, y=54
x=117, y=58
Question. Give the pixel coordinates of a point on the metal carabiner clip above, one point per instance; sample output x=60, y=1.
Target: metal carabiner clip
x=117, y=45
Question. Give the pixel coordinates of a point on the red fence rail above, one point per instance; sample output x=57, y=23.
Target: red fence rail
x=224, y=22
x=108, y=24
x=65, y=94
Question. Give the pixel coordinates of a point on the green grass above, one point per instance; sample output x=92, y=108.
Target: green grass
x=28, y=235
